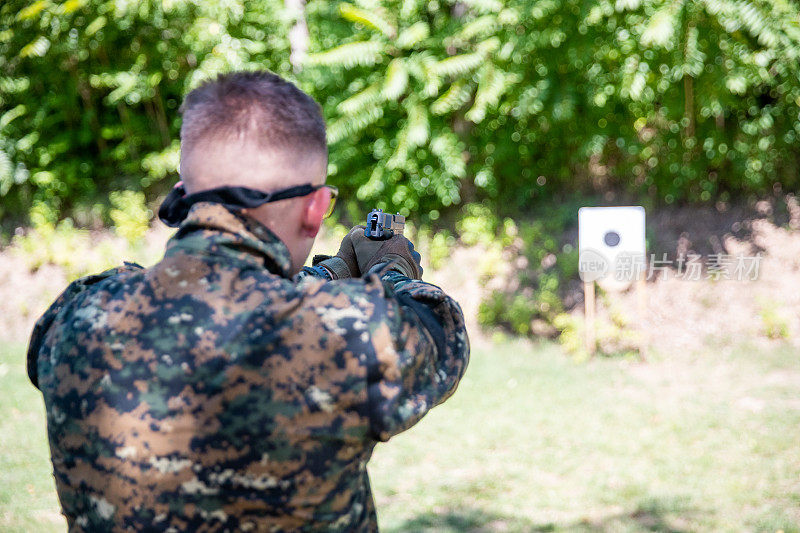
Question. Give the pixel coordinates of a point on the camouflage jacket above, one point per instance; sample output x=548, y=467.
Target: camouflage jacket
x=211, y=392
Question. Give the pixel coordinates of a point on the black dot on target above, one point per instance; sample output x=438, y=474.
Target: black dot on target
x=611, y=238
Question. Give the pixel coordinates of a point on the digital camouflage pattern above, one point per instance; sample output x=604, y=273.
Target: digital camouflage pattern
x=211, y=392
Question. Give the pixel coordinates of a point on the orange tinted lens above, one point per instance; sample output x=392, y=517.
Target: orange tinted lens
x=334, y=194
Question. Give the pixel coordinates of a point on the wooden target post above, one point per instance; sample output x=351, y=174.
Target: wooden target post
x=606, y=236
x=641, y=313
x=588, y=310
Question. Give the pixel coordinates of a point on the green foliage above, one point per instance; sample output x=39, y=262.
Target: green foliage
x=430, y=104
x=394, y=126
x=65, y=246
x=537, y=265
x=614, y=336
x=130, y=215
x=675, y=100
x=477, y=225
x=89, y=93
x=466, y=115
x=774, y=325
x=435, y=247
x=572, y=334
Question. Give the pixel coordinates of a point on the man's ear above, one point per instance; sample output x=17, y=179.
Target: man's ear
x=314, y=208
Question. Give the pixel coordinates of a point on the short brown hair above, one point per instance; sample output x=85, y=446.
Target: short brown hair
x=257, y=103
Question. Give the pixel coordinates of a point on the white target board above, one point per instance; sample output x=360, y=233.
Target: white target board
x=611, y=243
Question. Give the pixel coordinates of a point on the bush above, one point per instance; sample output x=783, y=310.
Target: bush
x=130, y=215
x=541, y=265
x=430, y=104
x=89, y=94
x=520, y=102
x=774, y=325
x=469, y=115
x=63, y=245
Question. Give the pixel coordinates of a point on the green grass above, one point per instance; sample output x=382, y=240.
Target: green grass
x=535, y=442
x=28, y=501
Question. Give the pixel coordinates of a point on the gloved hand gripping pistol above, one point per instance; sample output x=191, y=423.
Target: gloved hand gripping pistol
x=371, y=249
x=382, y=227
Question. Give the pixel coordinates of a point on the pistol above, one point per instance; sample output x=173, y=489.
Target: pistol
x=382, y=226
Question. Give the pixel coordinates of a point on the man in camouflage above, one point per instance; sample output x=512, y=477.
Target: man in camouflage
x=228, y=388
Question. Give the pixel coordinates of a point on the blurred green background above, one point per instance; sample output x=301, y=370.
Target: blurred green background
x=485, y=122
x=431, y=104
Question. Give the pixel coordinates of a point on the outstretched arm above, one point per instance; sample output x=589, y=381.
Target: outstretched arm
x=415, y=342
x=419, y=357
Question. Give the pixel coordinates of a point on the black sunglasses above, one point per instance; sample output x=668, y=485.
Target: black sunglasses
x=177, y=204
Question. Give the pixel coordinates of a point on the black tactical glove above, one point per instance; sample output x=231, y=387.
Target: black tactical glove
x=358, y=254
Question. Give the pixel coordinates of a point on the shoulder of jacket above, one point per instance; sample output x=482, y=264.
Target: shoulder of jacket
x=73, y=290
